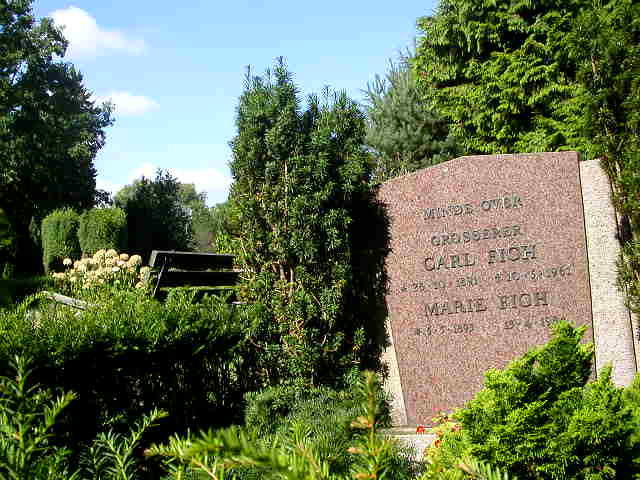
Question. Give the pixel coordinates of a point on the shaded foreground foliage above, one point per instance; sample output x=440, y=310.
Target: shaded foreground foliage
x=541, y=418
x=130, y=354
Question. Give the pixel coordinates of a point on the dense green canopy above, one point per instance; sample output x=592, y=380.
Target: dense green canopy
x=50, y=129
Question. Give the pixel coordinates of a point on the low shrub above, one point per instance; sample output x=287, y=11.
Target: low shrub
x=129, y=354
x=302, y=449
x=322, y=414
x=102, y=229
x=59, y=238
x=541, y=418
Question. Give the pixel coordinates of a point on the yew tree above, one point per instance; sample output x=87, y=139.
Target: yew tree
x=310, y=247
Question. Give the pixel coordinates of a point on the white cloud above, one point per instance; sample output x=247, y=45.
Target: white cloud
x=127, y=104
x=108, y=185
x=147, y=170
x=87, y=39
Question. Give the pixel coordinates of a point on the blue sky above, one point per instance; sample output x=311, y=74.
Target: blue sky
x=175, y=71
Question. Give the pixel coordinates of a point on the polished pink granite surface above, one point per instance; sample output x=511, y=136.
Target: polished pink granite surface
x=487, y=252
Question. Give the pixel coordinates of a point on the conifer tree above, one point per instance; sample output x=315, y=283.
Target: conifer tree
x=502, y=73
x=303, y=202
x=405, y=132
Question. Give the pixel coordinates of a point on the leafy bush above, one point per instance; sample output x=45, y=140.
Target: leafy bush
x=130, y=354
x=59, y=238
x=540, y=419
x=298, y=453
x=103, y=229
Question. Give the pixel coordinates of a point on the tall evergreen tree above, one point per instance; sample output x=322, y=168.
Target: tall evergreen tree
x=302, y=197
x=405, y=132
x=502, y=74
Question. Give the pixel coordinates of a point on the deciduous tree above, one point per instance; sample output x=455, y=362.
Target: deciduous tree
x=50, y=129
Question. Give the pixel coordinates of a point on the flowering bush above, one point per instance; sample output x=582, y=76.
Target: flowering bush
x=106, y=268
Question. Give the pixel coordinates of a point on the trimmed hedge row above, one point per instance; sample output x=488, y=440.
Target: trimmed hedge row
x=103, y=228
x=131, y=354
x=67, y=234
x=59, y=238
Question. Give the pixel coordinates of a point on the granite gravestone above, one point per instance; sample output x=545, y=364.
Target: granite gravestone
x=487, y=252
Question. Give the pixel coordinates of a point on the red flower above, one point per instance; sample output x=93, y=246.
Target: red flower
x=437, y=443
x=421, y=429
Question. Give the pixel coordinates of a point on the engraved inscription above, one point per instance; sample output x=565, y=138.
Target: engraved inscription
x=514, y=253
x=451, y=210
x=507, y=201
x=523, y=300
x=470, y=305
x=441, y=329
x=526, y=323
x=449, y=261
x=490, y=233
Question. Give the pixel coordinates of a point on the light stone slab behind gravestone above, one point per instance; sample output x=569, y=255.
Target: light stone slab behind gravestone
x=487, y=252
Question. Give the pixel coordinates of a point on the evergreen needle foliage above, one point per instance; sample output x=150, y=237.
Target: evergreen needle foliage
x=231, y=453
x=405, y=132
x=312, y=239
x=540, y=419
x=501, y=73
x=27, y=417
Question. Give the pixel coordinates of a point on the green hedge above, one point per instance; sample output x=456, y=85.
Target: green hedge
x=103, y=228
x=59, y=238
x=131, y=354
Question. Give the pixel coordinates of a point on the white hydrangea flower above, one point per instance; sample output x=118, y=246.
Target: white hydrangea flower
x=124, y=257
x=135, y=260
x=67, y=262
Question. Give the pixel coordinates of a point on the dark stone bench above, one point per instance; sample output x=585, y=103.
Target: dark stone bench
x=208, y=271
